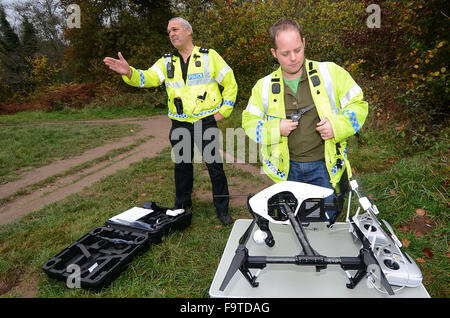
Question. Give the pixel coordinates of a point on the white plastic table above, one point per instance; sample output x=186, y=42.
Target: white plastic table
x=294, y=281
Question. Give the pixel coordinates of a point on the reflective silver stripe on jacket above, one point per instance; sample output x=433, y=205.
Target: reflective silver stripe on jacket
x=174, y=84
x=206, y=65
x=200, y=81
x=252, y=109
x=159, y=72
x=328, y=83
x=352, y=92
x=265, y=92
x=207, y=79
x=222, y=73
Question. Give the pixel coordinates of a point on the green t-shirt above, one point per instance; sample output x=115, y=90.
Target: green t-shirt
x=304, y=142
x=293, y=84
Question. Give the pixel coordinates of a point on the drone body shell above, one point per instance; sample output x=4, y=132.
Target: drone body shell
x=301, y=191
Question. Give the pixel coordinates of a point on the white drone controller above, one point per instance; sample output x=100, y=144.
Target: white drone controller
x=399, y=268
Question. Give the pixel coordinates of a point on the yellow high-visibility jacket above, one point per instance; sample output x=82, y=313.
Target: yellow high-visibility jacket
x=200, y=93
x=336, y=97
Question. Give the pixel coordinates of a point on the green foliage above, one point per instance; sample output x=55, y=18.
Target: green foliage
x=18, y=60
x=29, y=39
x=10, y=40
x=238, y=30
x=410, y=48
x=420, y=32
x=41, y=73
x=135, y=28
x=10, y=55
x=424, y=57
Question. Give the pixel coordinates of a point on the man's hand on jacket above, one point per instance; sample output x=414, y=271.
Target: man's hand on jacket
x=324, y=129
x=286, y=126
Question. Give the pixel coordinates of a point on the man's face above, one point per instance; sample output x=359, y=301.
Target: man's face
x=178, y=35
x=290, y=51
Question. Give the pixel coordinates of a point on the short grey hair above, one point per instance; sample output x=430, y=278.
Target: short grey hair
x=186, y=24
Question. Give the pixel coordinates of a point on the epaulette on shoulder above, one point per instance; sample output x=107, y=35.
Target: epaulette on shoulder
x=204, y=50
x=167, y=55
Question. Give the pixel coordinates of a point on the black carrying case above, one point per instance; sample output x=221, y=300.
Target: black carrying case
x=156, y=224
x=103, y=253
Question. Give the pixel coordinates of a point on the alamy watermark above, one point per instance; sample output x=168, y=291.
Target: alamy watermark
x=74, y=18
x=374, y=19
x=74, y=278
x=191, y=146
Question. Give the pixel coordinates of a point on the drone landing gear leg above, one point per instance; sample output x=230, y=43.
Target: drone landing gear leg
x=356, y=279
x=358, y=264
x=251, y=278
x=252, y=262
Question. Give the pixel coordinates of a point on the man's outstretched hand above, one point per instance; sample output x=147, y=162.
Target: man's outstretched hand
x=120, y=65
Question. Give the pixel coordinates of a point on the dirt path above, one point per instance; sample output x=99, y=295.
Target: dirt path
x=157, y=127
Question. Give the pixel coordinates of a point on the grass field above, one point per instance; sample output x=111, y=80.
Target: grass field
x=24, y=147
x=411, y=193
x=182, y=266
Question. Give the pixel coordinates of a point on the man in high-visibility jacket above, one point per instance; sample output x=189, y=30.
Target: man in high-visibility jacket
x=192, y=76
x=302, y=114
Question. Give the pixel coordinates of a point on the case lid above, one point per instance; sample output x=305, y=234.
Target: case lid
x=97, y=257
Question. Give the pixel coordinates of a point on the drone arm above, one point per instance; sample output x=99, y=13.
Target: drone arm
x=347, y=263
x=298, y=229
x=351, y=263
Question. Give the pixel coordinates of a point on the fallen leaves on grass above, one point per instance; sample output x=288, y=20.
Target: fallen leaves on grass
x=420, y=224
x=428, y=253
x=420, y=260
x=405, y=242
x=420, y=212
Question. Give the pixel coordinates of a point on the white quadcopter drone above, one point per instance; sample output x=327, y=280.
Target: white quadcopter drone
x=380, y=257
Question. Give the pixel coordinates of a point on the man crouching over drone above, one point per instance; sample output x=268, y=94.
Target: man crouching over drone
x=302, y=114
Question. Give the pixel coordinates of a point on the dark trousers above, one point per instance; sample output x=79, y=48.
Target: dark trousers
x=182, y=138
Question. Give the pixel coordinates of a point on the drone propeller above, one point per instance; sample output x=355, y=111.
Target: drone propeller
x=369, y=259
x=239, y=258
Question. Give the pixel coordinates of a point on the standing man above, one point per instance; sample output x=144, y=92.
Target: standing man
x=302, y=114
x=192, y=76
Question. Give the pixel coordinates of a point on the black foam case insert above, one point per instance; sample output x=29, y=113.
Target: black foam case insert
x=103, y=253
